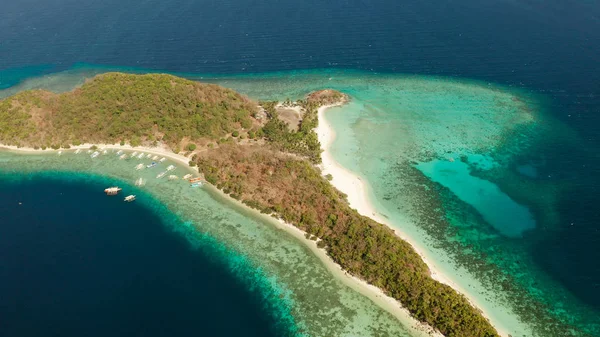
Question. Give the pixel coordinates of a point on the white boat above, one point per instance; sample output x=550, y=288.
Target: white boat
x=155, y=158
x=89, y=151
x=95, y=154
x=170, y=168
x=59, y=153
x=140, y=156
x=149, y=155
x=187, y=176
x=196, y=184
x=119, y=152
x=160, y=175
x=130, y=198
x=112, y=190
x=78, y=151
x=123, y=156
x=173, y=177
x=162, y=159
x=104, y=152
x=140, y=182
x=151, y=165
x=134, y=154
x=139, y=166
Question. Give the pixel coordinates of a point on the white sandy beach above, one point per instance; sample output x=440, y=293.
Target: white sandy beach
x=357, y=192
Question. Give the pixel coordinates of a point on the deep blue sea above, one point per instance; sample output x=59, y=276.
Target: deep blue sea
x=546, y=47
x=74, y=262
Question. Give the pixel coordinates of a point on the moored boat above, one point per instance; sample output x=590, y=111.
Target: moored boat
x=140, y=156
x=129, y=198
x=134, y=154
x=112, y=190
x=95, y=154
x=170, y=168
x=162, y=159
x=155, y=158
x=151, y=165
x=160, y=175
x=78, y=151
x=123, y=156
x=187, y=176
x=173, y=177
x=59, y=153
x=119, y=152
x=140, y=182
x=196, y=184
x=139, y=166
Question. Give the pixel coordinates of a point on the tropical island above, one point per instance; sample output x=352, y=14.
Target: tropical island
x=265, y=154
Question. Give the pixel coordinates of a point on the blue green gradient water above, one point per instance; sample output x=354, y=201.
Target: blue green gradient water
x=290, y=284
x=444, y=162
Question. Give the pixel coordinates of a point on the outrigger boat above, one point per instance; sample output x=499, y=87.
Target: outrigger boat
x=59, y=153
x=119, y=152
x=104, y=152
x=162, y=159
x=134, y=154
x=123, y=156
x=170, y=168
x=173, y=177
x=140, y=182
x=129, y=198
x=77, y=151
x=141, y=155
x=196, y=182
x=187, y=176
x=139, y=167
x=151, y=165
x=95, y=154
x=160, y=175
x=155, y=158
x=112, y=190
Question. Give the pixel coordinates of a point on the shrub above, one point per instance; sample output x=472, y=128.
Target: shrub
x=122, y=143
x=235, y=133
x=192, y=147
x=329, y=177
x=93, y=147
x=192, y=163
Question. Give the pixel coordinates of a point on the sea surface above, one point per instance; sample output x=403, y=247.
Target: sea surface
x=75, y=262
x=474, y=123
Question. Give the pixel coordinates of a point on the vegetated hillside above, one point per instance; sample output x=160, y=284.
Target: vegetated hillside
x=294, y=190
x=117, y=107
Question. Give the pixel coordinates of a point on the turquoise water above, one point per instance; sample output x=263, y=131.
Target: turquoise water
x=497, y=209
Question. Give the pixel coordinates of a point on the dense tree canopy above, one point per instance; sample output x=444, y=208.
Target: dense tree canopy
x=117, y=107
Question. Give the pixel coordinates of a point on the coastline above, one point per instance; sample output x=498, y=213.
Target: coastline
x=376, y=295
x=356, y=190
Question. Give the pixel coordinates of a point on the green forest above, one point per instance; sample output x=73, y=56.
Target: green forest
x=116, y=107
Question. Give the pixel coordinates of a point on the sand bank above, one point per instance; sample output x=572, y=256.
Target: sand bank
x=357, y=192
